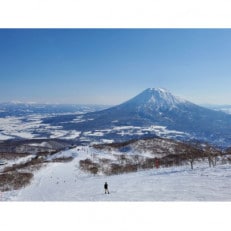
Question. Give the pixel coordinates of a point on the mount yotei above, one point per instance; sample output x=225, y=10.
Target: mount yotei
x=153, y=112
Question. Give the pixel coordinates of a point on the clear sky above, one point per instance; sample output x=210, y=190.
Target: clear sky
x=109, y=66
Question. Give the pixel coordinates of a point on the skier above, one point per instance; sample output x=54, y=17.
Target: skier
x=106, y=188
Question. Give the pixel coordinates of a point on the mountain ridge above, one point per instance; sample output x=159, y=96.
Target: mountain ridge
x=156, y=107
x=157, y=96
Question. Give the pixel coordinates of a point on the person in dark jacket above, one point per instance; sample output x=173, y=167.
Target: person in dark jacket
x=106, y=188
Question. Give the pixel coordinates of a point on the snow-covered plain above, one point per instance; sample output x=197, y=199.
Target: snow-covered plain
x=20, y=122
x=66, y=182
x=32, y=126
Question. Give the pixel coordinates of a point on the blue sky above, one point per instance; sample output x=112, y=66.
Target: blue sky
x=109, y=66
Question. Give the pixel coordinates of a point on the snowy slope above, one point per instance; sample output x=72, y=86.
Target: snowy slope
x=153, y=107
x=156, y=98
x=66, y=182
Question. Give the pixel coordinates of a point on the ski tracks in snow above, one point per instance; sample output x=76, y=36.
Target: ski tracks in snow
x=66, y=182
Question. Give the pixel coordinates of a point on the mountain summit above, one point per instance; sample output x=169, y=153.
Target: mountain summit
x=154, y=107
x=155, y=99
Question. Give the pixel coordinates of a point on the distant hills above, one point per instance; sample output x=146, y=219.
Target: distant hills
x=223, y=108
x=24, y=109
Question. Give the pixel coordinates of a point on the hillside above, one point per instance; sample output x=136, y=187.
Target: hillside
x=67, y=182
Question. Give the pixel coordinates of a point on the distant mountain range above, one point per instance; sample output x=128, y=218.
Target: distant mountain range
x=223, y=108
x=153, y=107
x=24, y=109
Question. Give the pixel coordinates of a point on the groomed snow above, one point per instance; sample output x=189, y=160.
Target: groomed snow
x=66, y=182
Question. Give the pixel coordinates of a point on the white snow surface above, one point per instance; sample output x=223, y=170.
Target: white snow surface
x=159, y=98
x=4, y=137
x=66, y=182
x=29, y=127
x=32, y=126
x=22, y=160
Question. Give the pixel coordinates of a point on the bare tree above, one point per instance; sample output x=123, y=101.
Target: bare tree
x=195, y=152
x=212, y=154
x=191, y=160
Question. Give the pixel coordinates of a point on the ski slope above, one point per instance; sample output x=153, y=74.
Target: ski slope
x=66, y=182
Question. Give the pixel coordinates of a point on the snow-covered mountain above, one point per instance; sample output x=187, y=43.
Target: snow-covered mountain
x=154, y=98
x=153, y=112
x=156, y=107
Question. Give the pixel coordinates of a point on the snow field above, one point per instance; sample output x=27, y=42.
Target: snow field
x=32, y=126
x=66, y=182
